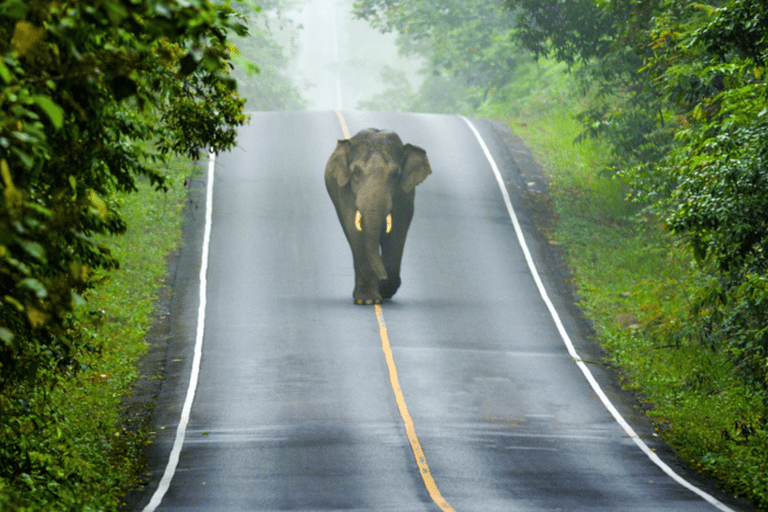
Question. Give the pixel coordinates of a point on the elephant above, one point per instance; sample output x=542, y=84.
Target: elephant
x=371, y=179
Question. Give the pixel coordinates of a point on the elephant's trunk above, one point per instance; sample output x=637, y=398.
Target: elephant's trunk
x=372, y=224
x=374, y=255
x=374, y=204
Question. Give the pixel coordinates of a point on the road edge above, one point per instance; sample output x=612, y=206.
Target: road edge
x=528, y=186
x=165, y=369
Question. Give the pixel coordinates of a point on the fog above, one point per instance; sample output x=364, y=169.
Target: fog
x=339, y=59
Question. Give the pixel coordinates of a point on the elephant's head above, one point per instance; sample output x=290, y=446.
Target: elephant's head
x=381, y=173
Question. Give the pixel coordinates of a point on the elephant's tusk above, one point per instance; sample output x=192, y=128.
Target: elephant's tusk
x=389, y=223
x=359, y=220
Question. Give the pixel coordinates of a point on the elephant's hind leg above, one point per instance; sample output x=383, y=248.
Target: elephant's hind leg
x=388, y=287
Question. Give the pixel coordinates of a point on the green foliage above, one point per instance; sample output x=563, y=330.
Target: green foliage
x=720, y=164
x=683, y=338
x=710, y=189
x=85, y=455
x=436, y=95
x=678, y=91
x=467, y=47
x=397, y=97
x=83, y=86
x=714, y=422
x=605, y=44
x=722, y=196
x=570, y=31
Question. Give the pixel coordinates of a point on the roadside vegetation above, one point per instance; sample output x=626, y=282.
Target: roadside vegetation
x=104, y=109
x=87, y=455
x=651, y=121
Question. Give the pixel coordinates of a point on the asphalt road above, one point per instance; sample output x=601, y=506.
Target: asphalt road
x=294, y=407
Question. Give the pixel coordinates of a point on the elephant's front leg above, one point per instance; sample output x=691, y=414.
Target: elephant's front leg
x=366, y=286
x=366, y=290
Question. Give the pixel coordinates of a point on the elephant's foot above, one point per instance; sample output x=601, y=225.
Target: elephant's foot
x=367, y=295
x=367, y=302
x=388, y=287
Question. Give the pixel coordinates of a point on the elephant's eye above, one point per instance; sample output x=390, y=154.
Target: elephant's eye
x=393, y=173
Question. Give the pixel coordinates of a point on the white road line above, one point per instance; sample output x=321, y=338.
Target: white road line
x=569, y=345
x=181, y=430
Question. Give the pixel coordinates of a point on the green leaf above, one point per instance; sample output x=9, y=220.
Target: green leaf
x=34, y=249
x=25, y=35
x=6, y=335
x=16, y=9
x=98, y=203
x=245, y=63
x=13, y=302
x=78, y=299
x=116, y=12
x=34, y=286
x=54, y=112
x=5, y=73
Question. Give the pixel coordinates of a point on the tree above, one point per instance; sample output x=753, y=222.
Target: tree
x=571, y=31
x=467, y=45
x=711, y=64
x=711, y=189
x=92, y=94
x=686, y=115
x=605, y=44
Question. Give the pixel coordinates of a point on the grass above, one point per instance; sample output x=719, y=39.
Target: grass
x=124, y=304
x=634, y=282
x=90, y=455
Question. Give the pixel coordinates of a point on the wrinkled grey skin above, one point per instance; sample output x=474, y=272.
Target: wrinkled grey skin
x=375, y=174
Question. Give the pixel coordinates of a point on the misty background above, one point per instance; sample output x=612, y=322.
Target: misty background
x=313, y=54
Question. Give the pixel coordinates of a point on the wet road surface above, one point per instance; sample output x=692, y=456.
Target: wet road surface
x=294, y=407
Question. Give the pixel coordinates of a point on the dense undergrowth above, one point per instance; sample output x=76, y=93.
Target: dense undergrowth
x=640, y=288
x=81, y=456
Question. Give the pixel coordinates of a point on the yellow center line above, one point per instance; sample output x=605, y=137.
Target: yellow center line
x=343, y=124
x=421, y=461
x=410, y=431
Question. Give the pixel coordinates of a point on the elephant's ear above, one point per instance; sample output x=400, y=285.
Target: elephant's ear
x=415, y=168
x=337, y=165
